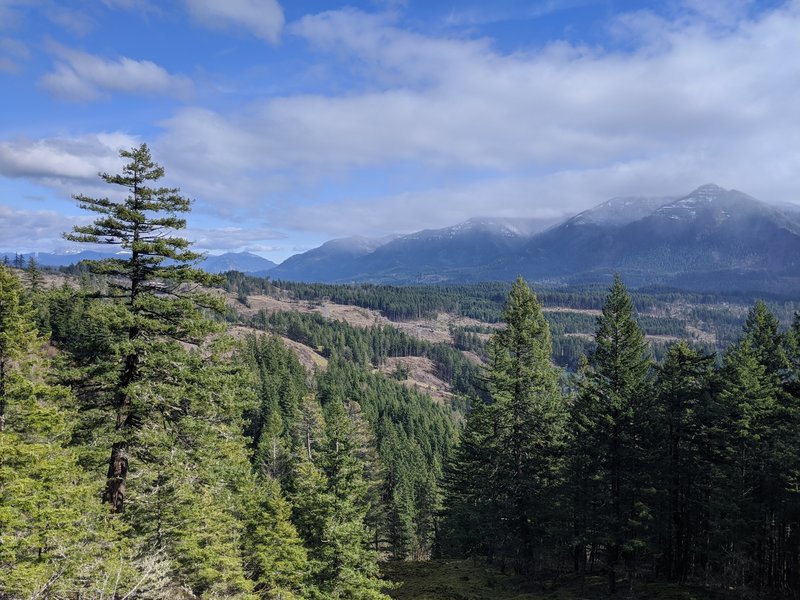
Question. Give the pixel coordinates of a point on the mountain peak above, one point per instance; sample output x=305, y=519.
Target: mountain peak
x=709, y=190
x=711, y=197
x=619, y=211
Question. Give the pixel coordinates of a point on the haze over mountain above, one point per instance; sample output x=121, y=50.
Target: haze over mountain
x=246, y=262
x=427, y=254
x=712, y=238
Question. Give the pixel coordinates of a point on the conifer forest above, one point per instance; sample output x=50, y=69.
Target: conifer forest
x=160, y=436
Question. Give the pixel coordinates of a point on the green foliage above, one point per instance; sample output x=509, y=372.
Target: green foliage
x=612, y=429
x=372, y=345
x=149, y=300
x=686, y=386
x=276, y=556
x=520, y=437
x=53, y=532
x=248, y=477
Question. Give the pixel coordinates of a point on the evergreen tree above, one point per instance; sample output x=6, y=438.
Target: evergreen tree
x=349, y=566
x=330, y=500
x=54, y=537
x=193, y=467
x=152, y=299
x=530, y=413
x=517, y=441
x=471, y=514
x=34, y=275
x=756, y=500
x=18, y=336
x=276, y=555
x=615, y=420
x=685, y=385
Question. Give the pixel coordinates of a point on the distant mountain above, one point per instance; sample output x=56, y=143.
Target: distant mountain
x=712, y=238
x=329, y=262
x=59, y=259
x=620, y=211
x=231, y=261
x=428, y=256
x=711, y=231
x=244, y=262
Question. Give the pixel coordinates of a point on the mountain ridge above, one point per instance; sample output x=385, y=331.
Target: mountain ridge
x=711, y=239
x=709, y=235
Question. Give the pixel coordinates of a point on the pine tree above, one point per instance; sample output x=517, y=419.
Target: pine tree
x=530, y=414
x=759, y=433
x=685, y=391
x=18, y=336
x=34, y=275
x=517, y=442
x=153, y=300
x=617, y=423
x=278, y=561
x=472, y=514
x=349, y=564
x=193, y=467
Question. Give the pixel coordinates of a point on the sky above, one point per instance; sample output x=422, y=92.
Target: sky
x=292, y=122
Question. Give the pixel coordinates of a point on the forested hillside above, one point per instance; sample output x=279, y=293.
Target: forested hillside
x=160, y=438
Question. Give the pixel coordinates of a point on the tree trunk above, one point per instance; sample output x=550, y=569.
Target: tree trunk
x=118, y=461
x=117, y=476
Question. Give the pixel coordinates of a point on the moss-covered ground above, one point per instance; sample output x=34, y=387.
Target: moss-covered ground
x=468, y=580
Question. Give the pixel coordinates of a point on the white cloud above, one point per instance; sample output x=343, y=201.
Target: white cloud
x=263, y=18
x=693, y=104
x=537, y=132
x=82, y=76
x=74, y=21
x=59, y=161
x=29, y=230
x=228, y=239
x=11, y=53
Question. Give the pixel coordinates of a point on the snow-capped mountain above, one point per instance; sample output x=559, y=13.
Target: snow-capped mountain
x=711, y=238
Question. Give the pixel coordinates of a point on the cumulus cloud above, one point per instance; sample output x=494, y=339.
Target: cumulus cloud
x=564, y=126
x=82, y=76
x=32, y=230
x=262, y=18
x=694, y=98
x=63, y=162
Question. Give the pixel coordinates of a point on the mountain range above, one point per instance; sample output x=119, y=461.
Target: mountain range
x=711, y=239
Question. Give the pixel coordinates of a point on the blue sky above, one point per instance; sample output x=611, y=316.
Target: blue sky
x=290, y=123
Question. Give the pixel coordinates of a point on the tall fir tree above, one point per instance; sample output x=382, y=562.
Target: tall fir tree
x=615, y=420
x=170, y=404
x=518, y=440
x=276, y=557
x=686, y=385
x=756, y=498
x=151, y=288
